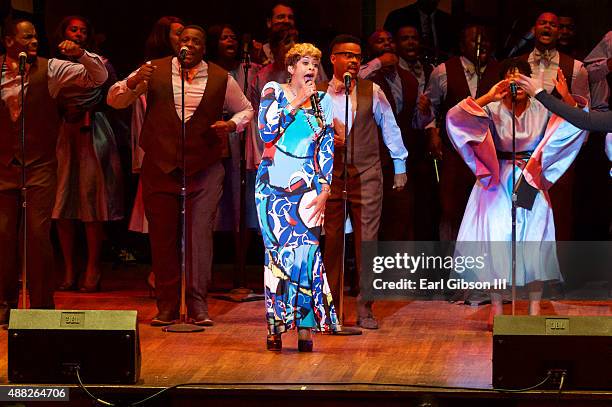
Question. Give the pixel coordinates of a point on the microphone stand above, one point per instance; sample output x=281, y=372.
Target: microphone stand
x=182, y=325
x=478, y=66
x=24, y=198
x=514, y=199
x=240, y=293
x=347, y=92
x=340, y=312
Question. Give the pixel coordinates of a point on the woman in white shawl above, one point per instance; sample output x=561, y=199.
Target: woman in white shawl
x=546, y=145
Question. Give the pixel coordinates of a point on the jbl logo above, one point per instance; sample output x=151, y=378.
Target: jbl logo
x=72, y=319
x=557, y=326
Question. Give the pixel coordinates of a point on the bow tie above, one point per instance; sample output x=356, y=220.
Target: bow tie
x=544, y=57
x=416, y=69
x=470, y=70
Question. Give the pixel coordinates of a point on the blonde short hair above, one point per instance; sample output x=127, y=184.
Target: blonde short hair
x=301, y=50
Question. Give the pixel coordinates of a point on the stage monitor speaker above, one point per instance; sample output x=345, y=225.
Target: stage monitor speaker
x=45, y=346
x=526, y=348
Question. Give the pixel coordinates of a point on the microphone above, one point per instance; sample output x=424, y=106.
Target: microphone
x=347, y=81
x=478, y=42
x=314, y=102
x=22, y=62
x=513, y=89
x=246, y=42
x=183, y=53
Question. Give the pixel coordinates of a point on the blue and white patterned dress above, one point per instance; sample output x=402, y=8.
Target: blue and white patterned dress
x=297, y=160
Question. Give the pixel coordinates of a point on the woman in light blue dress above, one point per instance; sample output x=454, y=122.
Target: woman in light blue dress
x=293, y=183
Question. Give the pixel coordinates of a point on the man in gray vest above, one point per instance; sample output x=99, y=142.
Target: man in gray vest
x=43, y=80
x=371, y=124
x=209, y=90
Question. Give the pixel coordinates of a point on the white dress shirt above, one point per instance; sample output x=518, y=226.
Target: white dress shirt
x=417, y=70
x=120, y=96
x=89, y=72
x=383, y=116
x=438, y=87
x=545, y=70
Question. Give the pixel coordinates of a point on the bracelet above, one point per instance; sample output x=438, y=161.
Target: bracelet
x=292, y=109
x=328, y=189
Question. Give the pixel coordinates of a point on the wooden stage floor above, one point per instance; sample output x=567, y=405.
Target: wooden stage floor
x=426, y=343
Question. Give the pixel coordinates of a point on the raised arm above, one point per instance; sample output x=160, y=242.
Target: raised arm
x=88, y=72
x=125, y=92
x=273, y=116
x=592, y=121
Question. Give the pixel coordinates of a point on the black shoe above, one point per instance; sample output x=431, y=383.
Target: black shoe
x=367, y=322
x=274, y=343
x=164, y=319
x=305, y=345
x=202, y=319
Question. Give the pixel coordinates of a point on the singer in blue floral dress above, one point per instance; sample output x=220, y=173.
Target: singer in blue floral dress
x=293, y=183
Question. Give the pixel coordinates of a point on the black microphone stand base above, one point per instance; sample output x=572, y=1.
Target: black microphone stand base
x=240, y=295
x=347, y=331
x=183, y=327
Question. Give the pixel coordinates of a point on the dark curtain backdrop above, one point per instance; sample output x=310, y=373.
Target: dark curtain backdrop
x=126, y=24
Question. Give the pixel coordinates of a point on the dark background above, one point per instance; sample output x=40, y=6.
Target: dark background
x=126, y=24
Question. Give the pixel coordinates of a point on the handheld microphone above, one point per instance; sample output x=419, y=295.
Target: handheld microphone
x=183, y=53
x=314, y=102
x=347, y=81
x=513, y=89
x=22, y=62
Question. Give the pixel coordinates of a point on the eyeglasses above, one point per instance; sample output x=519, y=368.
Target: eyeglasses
x=350, y=55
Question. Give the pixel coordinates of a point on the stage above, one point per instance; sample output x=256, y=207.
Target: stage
x=424, y=350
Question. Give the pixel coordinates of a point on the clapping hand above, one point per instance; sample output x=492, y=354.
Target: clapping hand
x=143, y=75
x=71, y=49
x=561, y=86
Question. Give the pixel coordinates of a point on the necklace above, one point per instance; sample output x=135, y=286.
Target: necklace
x=306, y=115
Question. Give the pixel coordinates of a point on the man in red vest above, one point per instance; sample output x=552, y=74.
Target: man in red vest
x=401, y=90
x=545, y=61
x=209, y=90
x=43, y=81
x=451, y=82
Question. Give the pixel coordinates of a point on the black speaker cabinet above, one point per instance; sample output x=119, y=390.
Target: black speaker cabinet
x=44, y=346
x=526, y=348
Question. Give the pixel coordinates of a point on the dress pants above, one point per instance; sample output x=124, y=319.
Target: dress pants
x=162, y=208
x=397, y=216
x=41, y=184
x=456, y=183
x=364, y=205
